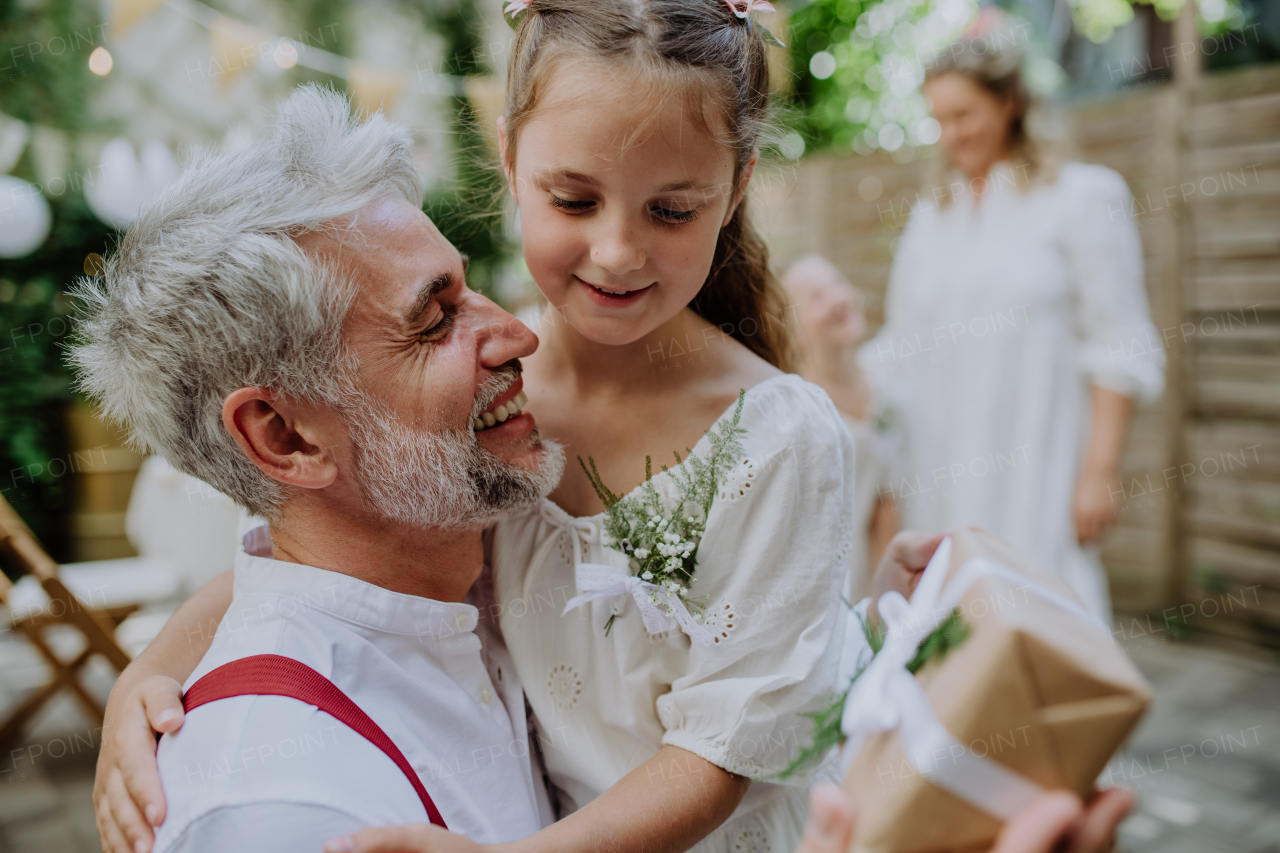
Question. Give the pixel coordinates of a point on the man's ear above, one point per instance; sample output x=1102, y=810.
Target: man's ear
x=272, y=434
x=740, y=192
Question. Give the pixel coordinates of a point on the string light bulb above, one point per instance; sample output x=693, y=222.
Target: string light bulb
x=100, y=62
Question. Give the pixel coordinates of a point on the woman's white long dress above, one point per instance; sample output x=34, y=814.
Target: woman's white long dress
x=772, y=567
x=998, y=319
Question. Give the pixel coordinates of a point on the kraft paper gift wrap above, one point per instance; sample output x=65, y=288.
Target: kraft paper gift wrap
x=1037, y=688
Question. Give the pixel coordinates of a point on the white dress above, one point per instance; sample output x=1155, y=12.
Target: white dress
x=997, y=322
x=772, y=566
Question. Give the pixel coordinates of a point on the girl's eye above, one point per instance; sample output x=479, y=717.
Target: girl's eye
x=668, y=215
x=439, y=330
x=570, y=205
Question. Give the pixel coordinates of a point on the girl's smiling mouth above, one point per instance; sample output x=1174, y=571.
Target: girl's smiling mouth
x=613, y=298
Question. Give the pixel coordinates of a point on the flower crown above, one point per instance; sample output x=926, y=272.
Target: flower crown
x=740, y=8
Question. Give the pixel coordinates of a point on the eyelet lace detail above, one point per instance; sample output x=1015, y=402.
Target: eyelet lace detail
x=564, y=686
x=721, y=620
x=844, y=542
x=752, y=840
x=739, y=482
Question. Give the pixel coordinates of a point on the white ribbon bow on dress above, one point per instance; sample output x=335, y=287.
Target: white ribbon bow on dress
x=666, y=613
x=886, y=696
x=600, y=581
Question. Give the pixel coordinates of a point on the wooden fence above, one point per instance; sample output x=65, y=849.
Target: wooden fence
x=1200, y=515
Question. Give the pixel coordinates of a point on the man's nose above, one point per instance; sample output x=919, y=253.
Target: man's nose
x=617, y=247
x=503, y=336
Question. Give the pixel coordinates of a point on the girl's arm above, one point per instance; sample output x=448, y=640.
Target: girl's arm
x=668, y=803
x=147, y=698
x=884, y=526
x=1097, y=487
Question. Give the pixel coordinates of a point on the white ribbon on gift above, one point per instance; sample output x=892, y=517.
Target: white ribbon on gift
x=598, y=580
x=886, y=696
x=661, y=609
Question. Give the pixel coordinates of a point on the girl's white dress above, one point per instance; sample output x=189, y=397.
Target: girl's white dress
x=772, y=568
x=998, y=319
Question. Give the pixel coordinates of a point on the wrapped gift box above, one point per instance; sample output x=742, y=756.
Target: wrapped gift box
x=1035, y=686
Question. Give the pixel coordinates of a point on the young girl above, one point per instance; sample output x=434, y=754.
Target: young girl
x=831, y=324
x=629, y=137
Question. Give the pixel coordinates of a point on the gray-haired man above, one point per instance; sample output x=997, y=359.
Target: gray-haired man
x=287, y=325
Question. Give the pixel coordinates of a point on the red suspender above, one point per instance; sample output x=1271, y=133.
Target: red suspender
x=275, y=675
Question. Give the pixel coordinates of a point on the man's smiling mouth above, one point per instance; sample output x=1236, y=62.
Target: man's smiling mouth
x=500, y=412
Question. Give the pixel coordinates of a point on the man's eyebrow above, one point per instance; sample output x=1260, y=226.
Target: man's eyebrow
x=423, y=300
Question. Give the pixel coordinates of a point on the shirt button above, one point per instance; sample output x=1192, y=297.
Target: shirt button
x=460, y=620
x=486, y=695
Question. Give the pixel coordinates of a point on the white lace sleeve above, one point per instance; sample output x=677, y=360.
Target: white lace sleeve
x=1121, y=350
x=772, y=566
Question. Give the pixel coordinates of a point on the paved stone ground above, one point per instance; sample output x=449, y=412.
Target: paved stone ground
x=1205, y=762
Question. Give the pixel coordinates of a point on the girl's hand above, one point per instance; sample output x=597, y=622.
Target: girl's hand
x=1054, y=821
x=409, y=838
x=1094, y=505
x=901, y=566
x=127, y=797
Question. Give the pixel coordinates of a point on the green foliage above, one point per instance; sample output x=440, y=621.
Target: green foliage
x=35, y=380
x=832, y=111
x=44, y=50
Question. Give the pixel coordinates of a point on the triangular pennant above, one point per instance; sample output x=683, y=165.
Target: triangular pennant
x=373, y=88
x=126, y=13
x=235, y=48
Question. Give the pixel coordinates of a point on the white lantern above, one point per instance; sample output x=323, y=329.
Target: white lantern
x=25, y=218
x=124, y=183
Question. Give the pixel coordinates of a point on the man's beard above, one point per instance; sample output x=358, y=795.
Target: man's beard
x=446, y=479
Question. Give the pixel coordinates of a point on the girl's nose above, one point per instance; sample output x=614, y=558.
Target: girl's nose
x=617, y=249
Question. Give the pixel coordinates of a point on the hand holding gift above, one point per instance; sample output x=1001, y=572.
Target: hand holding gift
x=993, y=686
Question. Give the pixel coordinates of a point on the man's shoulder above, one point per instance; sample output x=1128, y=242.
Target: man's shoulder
x=260, y=827
x=278, y=753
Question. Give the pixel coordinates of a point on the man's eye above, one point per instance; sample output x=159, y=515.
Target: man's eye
x=668, y=215
x=570, y=205
x=439, y=330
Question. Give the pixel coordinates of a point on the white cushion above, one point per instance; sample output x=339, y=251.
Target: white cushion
x=103, y=583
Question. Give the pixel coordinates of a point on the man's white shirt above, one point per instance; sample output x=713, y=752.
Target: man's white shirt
x=272, y=773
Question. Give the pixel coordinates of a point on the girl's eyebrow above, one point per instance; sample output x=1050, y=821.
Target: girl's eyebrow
x=563, y=173
x=551, y=176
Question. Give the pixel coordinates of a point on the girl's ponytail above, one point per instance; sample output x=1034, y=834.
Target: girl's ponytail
x=744, y=298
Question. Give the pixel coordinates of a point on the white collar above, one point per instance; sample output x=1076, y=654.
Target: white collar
x=443, y=624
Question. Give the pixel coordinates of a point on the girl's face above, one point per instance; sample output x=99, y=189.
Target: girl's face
x=975, y=123
x=621, y=200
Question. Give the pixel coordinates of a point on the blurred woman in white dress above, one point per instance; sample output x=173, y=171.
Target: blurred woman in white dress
x=1017, y=331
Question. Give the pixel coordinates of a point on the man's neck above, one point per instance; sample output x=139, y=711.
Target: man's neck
x=440, y=564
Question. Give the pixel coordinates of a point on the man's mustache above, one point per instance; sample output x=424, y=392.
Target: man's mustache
x=496, y=385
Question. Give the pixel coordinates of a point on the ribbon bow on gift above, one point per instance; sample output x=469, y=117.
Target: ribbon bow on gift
x=661, y=609
x=886, y=695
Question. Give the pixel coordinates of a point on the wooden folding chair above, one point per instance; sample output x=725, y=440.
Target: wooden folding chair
x=97, y=626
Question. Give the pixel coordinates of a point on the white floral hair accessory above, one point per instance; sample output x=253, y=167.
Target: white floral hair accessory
x=515, y=7
x=743, y=8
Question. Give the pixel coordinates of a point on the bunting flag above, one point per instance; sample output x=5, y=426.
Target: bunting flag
x=373, y=88
x=125, y=13
x=235, y=48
